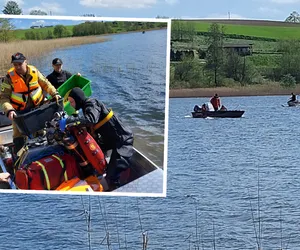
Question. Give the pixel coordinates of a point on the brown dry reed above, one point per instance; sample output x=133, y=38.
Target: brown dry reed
x=38, y=48
x=253, y=90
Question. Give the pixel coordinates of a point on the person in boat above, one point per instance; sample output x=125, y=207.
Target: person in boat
x=109, y=132
x=293, y=97
x=203, y=107
x=58, y=76
x=223, y=108
x=216, y=102
x=22, y=90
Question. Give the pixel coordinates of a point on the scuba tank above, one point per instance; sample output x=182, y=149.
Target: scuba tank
x=72, y=145
x=91, y=149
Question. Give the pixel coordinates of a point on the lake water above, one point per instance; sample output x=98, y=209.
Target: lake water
x=227, y=179
x=127, y=73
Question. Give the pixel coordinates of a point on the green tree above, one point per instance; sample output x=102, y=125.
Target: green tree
x=289, y=62
x=49, y=34
x=6, y=30
x=38, y=12
x=60, y=31
x=177, y=30
x=215, y=53
x=12, y=8
x=294, y=17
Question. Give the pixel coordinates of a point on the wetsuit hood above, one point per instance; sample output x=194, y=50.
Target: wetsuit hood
x=79, y=97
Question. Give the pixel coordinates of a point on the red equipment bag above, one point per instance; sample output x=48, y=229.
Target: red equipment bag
x=47, y=173
x=91, y=149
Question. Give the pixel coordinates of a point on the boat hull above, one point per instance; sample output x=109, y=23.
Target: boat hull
x=218, y=114
x=144, y=176
x=293, y=103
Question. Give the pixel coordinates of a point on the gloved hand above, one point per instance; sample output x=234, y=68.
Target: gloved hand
x=56, y=98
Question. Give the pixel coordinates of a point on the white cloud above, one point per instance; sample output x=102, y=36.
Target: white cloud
x=38, y=23
x=269, y=10
x=54, y=8
x=130, y=4
x=171, y=2
x=285, y=1
x=225, y=16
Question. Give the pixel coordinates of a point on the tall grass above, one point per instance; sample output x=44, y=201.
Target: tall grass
x=36, y=48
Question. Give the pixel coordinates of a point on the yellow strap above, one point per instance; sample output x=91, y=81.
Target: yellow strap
x=62, y=166
x=106, y=119
x=45, y=173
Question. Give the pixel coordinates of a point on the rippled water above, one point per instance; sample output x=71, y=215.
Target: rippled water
x=224, y=176
x=128, y=73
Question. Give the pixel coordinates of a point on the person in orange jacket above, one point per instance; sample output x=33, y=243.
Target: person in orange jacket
x=21, y=90
x=216, y=102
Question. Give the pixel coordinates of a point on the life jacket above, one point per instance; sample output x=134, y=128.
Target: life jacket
x=47, y=173
x=21, y=92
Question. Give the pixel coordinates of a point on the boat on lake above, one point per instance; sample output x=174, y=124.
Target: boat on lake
x=143, y=176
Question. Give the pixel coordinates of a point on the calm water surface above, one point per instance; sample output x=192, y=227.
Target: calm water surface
x=224, y=176
x=127, y=73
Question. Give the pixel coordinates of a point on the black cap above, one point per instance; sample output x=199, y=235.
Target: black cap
x=57, y=61
x=18, y=58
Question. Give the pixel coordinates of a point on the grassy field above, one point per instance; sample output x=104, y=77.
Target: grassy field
x=277, y=32
x=20, y=34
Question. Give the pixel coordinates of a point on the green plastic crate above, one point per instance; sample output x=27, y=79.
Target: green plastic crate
x=72, y=82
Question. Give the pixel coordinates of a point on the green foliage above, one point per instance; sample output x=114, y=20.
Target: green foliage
x=12, y=8
x=38, y=12
x=6, y=29
x=288, y=81
x=289, y=62
x=60, y=31
x=215, y=53
x=183, y=31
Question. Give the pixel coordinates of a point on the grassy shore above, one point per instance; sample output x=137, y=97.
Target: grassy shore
x=257, y=90
x=37, y=48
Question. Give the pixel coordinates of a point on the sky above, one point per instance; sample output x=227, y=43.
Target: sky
x=235, y=9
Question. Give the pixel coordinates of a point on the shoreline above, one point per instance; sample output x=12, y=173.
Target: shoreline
x=256, y=90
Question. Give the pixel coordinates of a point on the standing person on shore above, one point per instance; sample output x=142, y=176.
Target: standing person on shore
x=109, y=132
x=22, y=90
x=58, y=76
x=216, y=102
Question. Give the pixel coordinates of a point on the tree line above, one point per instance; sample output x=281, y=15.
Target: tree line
x=222, y=67
x=60, y=31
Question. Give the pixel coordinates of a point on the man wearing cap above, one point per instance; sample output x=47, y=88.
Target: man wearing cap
x=58, y=76
x=22, y=90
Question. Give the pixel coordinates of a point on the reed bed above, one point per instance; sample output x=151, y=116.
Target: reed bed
x=36, y=48
x=254, y=90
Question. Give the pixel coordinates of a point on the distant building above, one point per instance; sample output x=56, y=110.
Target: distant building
x=241, y=49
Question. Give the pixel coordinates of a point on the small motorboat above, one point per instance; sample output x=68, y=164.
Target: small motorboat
x=293, y=103
x=199, y=113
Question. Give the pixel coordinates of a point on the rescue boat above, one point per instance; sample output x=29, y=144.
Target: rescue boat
x=143, y=176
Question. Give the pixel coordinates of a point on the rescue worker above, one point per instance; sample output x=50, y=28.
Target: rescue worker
x=111, y=133
x=215, y=101
x=22, y=90
x=293, y=97
x=58, y=76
